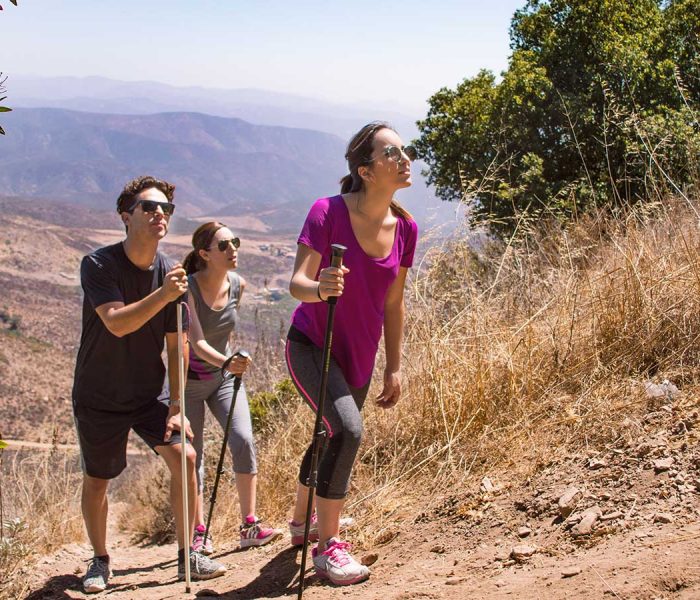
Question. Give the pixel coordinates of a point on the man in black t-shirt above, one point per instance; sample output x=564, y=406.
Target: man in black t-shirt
x=129, y=315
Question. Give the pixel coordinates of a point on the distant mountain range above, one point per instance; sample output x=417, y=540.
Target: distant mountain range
x=221, y=166
x=262, y=107
x=215, y=162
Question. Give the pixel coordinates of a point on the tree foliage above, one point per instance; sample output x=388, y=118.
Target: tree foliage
x=2, y=85
x=599, y=97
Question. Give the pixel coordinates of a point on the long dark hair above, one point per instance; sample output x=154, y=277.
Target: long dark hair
x=358, y=154
x=201, y=240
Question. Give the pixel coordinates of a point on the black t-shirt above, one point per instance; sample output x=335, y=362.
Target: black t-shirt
x=112, y=373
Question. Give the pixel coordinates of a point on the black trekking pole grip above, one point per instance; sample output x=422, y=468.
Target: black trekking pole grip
x=219, y=468
x=319, y=431
x=337, y=251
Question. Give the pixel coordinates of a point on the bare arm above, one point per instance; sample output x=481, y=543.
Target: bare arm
x=303, y=285
x=199, y=344
x=394, y=311
x=121, y=319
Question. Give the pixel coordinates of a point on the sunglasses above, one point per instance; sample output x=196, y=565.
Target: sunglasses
x=395, y=154
x=150, y=206
x=223, y=245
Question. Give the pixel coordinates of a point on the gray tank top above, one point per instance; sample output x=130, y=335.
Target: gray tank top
x=217, y=325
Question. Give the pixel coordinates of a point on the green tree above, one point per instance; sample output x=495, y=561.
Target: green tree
x=591, y=87
x=2, y=85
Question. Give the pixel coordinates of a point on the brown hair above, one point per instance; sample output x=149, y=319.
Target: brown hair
x=358, y=154
x=126, y=200
x=201, y=240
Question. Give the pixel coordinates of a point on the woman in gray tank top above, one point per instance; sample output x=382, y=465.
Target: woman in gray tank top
x=214, y=297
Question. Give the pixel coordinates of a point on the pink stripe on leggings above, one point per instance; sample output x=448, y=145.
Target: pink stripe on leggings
x=329, y=429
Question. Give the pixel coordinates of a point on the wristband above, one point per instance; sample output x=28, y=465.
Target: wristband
x=174, y=403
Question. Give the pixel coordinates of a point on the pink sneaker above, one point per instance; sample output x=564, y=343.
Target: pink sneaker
x=201, y=545
x=337, y=565
x=252, y=534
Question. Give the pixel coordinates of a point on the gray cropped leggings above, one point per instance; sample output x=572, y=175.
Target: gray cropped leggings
x=217, y=394
x=341, y=416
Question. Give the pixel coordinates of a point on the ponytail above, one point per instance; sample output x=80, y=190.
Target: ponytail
x=400, y=211
x=348, y=184
x=191, y=262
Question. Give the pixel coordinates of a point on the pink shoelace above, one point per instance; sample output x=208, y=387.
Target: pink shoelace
x=339, y=553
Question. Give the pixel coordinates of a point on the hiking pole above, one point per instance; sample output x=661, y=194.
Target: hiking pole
x=226, y=374
x=319, y=429
x=183, y=443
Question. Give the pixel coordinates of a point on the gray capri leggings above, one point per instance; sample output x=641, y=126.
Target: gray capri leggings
x=217, y=394
x=341, y=416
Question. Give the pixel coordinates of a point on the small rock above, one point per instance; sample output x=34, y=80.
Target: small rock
x=568, y=501
x=487, y=485
x=208, y=593
x=522, y=552
x=370, y=559
x=597, y=463
x=523, y=532
x=666, y=390
x=570, y=571
x=455, y=580
x=663, y=518
x=616, y=514
x=438, y=549
x=588, y=519
x=663, y=464
x=500, y=583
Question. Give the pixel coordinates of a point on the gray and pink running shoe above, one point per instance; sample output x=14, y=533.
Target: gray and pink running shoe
x=337, y=565
x=253, y=534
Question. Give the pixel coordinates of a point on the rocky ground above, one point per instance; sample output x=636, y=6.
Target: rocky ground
x=618, y=523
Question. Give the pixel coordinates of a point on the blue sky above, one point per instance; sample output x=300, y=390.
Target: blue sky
x=371, y=51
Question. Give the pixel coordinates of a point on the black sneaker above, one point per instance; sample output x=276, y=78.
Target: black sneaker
x=97, y=575
x=201, y=567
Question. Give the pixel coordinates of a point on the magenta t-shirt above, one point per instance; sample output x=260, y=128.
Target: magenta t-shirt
x=359, y=315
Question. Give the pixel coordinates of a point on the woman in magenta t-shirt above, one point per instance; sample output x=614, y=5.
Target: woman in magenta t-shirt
x=380, y=237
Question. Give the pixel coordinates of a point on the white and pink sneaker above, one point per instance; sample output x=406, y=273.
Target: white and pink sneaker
x=337, y=565
x=253, y=534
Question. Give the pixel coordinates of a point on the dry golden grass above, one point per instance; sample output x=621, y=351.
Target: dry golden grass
x=514, y=355
x=41, y=511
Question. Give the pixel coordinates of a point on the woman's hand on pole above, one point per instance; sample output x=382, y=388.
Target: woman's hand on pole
x=391, y=391
x=331, y=282
x=173, y=424
x=238, y=365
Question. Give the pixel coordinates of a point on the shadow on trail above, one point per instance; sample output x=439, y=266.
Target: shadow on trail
x=277, y=578
x=55, y=588
x=146, y=569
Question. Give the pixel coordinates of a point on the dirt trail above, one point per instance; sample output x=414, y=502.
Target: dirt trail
x=426, y=560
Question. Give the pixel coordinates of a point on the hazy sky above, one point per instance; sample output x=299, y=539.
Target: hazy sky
x=373, y=51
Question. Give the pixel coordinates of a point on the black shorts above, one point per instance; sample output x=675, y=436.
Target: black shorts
x=103, y=436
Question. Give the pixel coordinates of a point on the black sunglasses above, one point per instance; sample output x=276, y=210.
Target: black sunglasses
x=222, y=245
x=394, y=153
x=150, y=206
